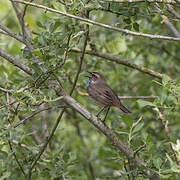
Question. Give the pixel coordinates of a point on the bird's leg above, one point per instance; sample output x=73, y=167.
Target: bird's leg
x=101, y=111
x=106, y=113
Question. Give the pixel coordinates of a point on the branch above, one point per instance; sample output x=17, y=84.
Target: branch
x=138, y=97
x=81, y=59
x=119, y=61
x=103, y=128
x=16, y=62
x=100, y=24
x=45, y=144
x=24, y=146
x=92, y=119
x=167, y=22
x=137, y=1
x=10, y=33
x=30, y=116
x=171, y=9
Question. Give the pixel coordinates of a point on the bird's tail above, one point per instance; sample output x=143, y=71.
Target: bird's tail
x=123, y=108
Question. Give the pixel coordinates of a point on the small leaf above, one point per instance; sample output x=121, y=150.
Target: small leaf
x=40, y=24
x=165, y=79
x=157, y=162
x=136, y=26
x=138, y=127
x=143, y=103
x=163, y=96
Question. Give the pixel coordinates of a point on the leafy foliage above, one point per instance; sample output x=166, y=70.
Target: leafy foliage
x=78, y=150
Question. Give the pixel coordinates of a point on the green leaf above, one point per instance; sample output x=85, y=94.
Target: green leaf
x=40, y=24
x=163, y=95
x=165, y=79
x=157, y=162
x=143, y=103
x=138, y=127
x=136, y=26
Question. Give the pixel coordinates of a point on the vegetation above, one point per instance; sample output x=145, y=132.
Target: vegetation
x=49, y=128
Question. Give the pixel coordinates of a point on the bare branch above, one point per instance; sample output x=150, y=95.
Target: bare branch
x=16, y=62
x=100, y=24
x=10, y=33
x=20, y=17
x=136, y=1
x=16, y=159
x=30, y=116
x=45, y=144
x=9, y=142
x=81, y=60
x=24, y=146
x=103, y=128
x=138, y=97
x=167, y=22
x=171, y=9
x=119, y=61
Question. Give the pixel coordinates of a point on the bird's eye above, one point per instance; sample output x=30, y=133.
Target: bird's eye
x=94, y=76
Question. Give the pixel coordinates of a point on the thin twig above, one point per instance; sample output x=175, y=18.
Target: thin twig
x=166, y=21
x=24, y=146
x=171, y=9
x=45, y=144
x=81, y=60
x=100, y=24
x=16, y=159
x=138, y=97
x=30, y=116
x=9, y=142
x=138, y=1
x=139, y=149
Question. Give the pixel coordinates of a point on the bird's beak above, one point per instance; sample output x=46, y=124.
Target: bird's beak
x=89, y=72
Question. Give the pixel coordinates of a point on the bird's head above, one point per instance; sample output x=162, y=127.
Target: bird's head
x=95, y=77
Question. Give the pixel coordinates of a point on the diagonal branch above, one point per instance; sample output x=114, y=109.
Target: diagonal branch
x=171, y=9
x=103, y=128
x=93, y=120
x=119, y=61
x=16, y=62
x=167, y=22
x=100, y=24
x=10, y=33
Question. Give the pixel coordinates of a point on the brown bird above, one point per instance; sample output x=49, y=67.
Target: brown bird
x=100, y=91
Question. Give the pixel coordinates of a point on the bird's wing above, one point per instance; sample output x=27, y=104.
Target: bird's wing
x=109, y=95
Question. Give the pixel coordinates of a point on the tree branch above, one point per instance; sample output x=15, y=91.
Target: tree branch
x=137, y=1
x=10, y=33
x=167, y=22
x=30, y=116
x=16, y=62
x=171, y=9
x=45, y=144
x=103, y=128
x=138, y=97
x=100, y=24
x=119, y=61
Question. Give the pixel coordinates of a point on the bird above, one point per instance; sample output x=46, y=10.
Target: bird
x=100, y=91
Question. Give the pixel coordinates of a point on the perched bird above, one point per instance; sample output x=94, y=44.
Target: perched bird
x=100, y=91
